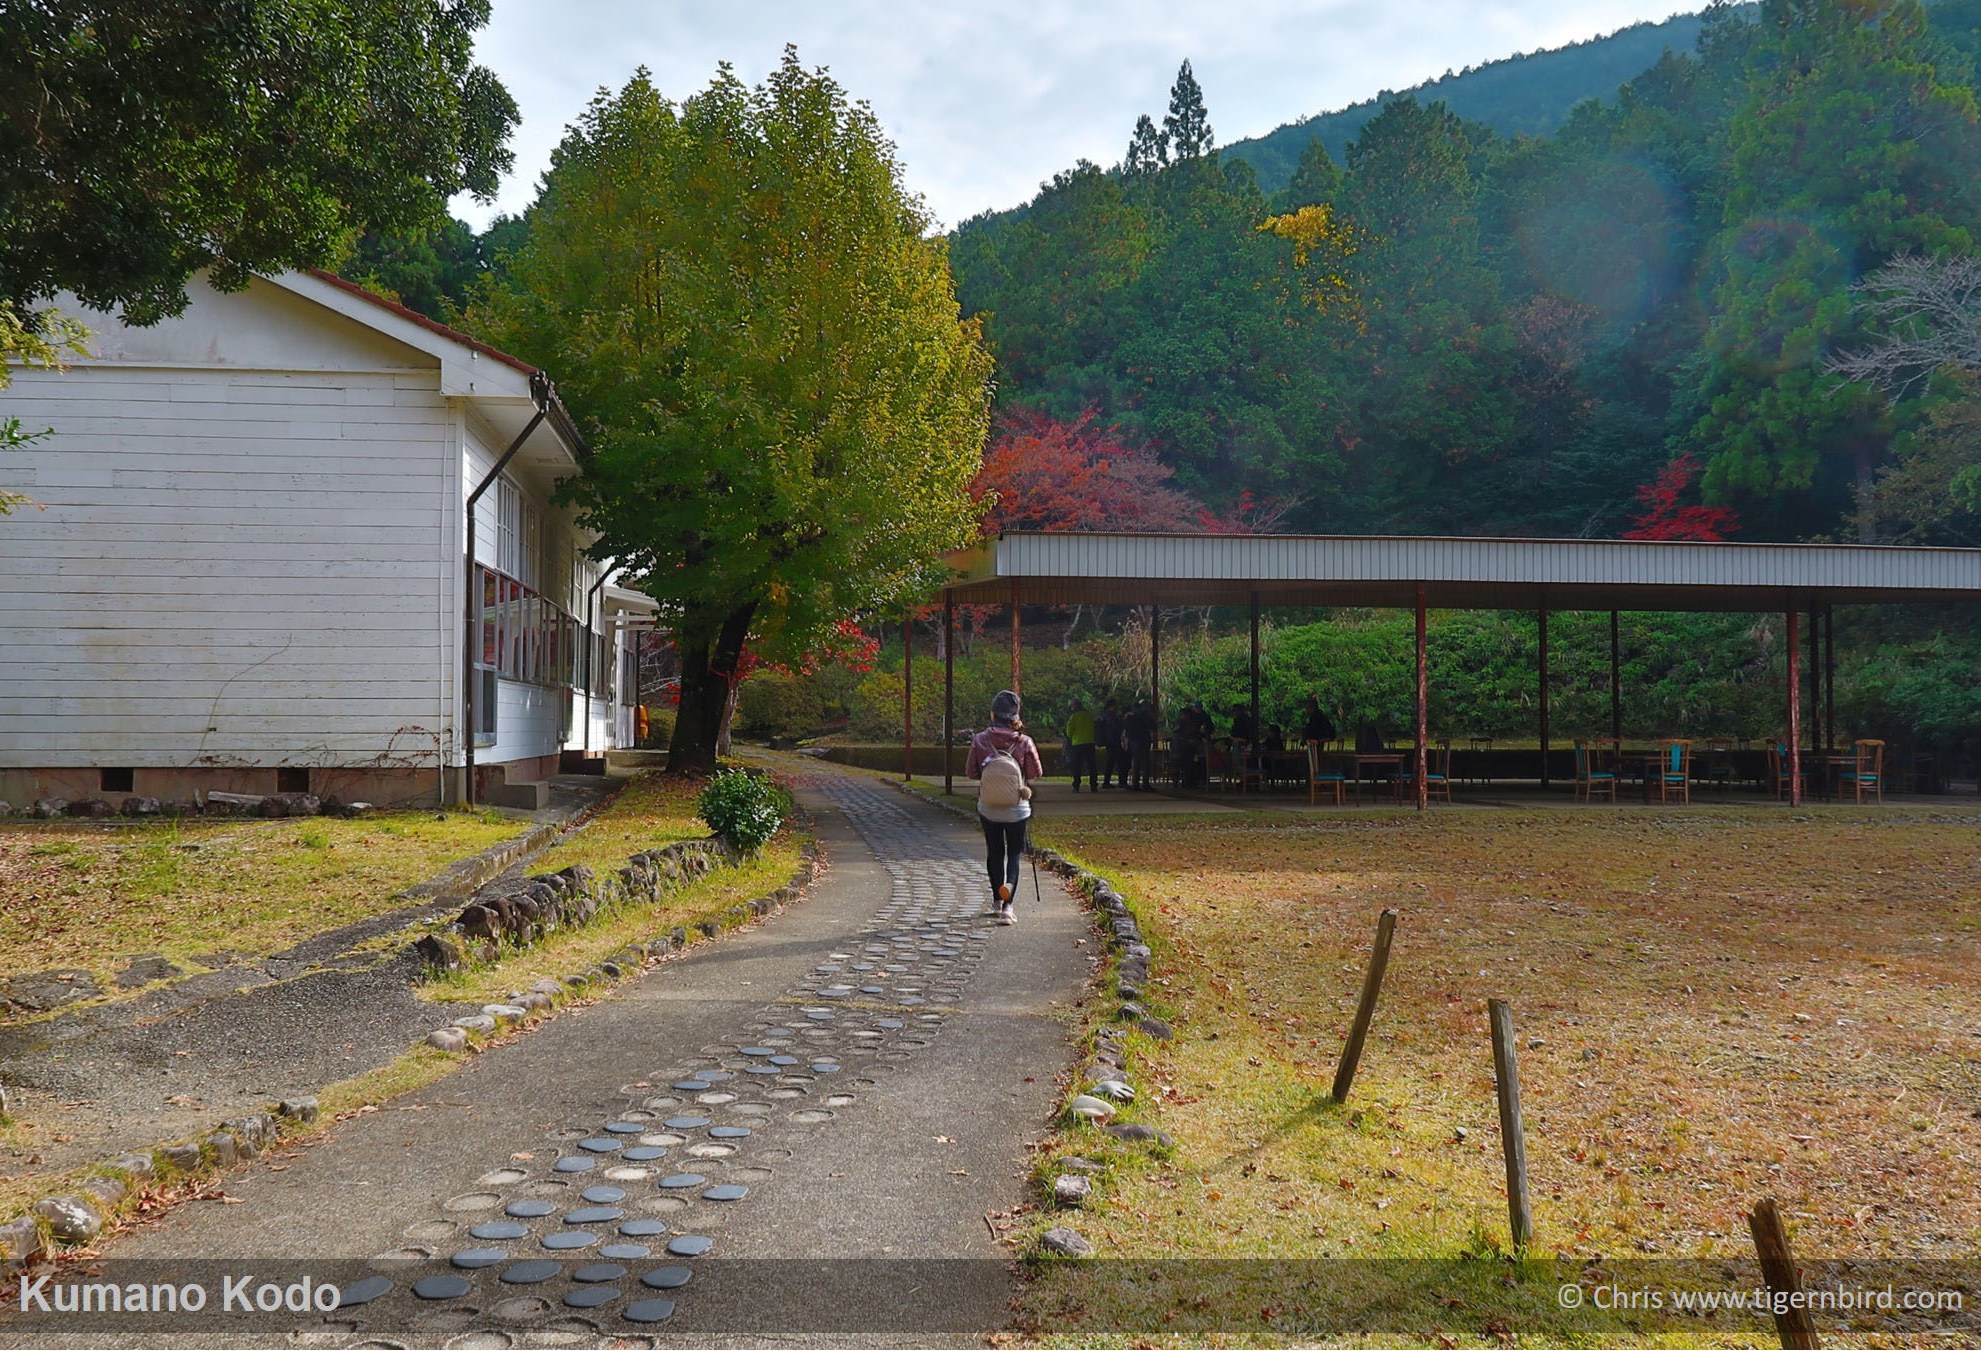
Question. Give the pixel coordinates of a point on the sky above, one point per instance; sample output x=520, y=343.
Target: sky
x=986, y=101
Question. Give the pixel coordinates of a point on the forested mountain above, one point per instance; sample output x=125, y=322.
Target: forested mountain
x=1447, y=330
x=1527, y=95
x=1628, y=325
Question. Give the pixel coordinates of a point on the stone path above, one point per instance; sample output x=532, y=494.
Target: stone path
x=791, y=1136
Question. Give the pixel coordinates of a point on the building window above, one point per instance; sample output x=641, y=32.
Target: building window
x=292, y=780
x=526, y=638
x=116, y=780
x=508, y=528
x=485, y=708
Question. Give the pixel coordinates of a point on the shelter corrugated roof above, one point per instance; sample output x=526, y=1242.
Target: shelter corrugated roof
x=1457, y=572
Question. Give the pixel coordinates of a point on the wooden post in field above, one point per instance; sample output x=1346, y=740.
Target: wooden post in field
x=1793, y=1325
x=1513, y=1135
x=1372, y=985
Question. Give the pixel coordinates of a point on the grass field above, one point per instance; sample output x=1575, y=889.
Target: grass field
x=1712, y=1007
x=82, y=895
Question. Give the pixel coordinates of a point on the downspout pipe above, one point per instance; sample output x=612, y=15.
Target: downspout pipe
x=543, y=395
x=591, y=643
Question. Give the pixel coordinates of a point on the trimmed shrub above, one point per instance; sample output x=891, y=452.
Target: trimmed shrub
x=743, y=808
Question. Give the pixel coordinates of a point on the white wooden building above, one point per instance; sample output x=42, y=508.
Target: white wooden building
x=248, y=565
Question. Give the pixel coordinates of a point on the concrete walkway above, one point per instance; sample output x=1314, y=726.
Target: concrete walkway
x=794, y=1135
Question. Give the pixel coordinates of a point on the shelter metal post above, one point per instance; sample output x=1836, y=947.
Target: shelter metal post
x=1017, y=661
x=1616, y=681
x=1423, y=709
x=908, y=694
x=948, y=695
x=1544, y=694
x=1830, y=675
x=1815, y=675
x=1255, y=673
x=1794, y=708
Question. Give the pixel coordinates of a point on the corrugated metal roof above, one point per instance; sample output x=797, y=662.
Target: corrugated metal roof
x=1458, y=573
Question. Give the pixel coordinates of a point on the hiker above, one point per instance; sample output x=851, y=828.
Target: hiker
x=1080, y=746
x=1108, y=732
x=1139, y=731
x=1004, y=761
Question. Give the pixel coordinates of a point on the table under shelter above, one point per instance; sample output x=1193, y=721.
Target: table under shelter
x=1802, y=582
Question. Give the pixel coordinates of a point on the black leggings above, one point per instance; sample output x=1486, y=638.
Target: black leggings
x=1004, y=848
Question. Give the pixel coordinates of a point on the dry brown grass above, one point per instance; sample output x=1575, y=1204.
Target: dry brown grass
x=82, y=894
x=1712, y=1006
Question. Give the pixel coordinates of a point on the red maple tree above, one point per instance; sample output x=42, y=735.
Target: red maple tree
x=1665, y=516
x=1044, y=474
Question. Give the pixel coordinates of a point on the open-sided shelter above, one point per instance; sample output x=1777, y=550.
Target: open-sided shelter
x=1802, y=582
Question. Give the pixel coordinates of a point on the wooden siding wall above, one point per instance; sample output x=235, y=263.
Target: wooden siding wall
x=232, y=567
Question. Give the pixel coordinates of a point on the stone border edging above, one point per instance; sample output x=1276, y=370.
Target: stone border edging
x=69, y=1220
x=576, y=896
x=1105, y=1071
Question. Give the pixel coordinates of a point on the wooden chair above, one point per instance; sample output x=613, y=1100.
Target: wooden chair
x=1868, y=771
x=1675, y=771
x=1778, y=769
x=1591, y=777
x=1324, y=777
x=1437, y=773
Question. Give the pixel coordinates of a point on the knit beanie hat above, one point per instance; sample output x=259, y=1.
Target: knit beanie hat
x=1004, y=707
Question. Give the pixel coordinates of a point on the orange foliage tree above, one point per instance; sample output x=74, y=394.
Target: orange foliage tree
x=1044, y=474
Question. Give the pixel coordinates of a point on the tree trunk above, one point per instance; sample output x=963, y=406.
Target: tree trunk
x=711, y=647
x=728, y=718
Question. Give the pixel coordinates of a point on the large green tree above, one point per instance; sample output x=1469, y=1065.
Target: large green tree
x=1851, y=148
x=144, y=140
x=763, y=346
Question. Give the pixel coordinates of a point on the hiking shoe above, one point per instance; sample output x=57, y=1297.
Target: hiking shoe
x=1008, y=915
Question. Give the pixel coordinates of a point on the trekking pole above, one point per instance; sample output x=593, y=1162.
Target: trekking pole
x=1037, y=899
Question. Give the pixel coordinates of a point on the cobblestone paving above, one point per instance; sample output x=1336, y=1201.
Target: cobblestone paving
x=598, y=1233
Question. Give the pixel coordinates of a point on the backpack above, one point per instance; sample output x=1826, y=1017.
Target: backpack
x=1002, y=783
